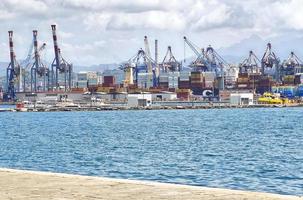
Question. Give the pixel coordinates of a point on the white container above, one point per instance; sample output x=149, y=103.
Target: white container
x=209, y=76
x=184, y=76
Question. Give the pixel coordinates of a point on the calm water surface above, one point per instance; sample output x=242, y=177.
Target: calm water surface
x=249, y=149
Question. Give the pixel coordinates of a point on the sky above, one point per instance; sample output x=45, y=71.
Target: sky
x=111, y=31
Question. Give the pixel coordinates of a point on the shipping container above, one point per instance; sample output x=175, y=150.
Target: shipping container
x=286, y=91
x=109, y=80
x=209, y=76
x=299, y=91
x=184, y=75
x=163, y=84
x=184, y=84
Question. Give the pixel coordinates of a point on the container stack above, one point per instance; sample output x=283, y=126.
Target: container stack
x=285, y=91
x=144, y=80
x=184, y=80
x=197, y=83
x=243, y=81
x=163, y=80
x=288, y=80
x=82, y=81
x=254, y=79
x=265, y=84
x=173, y=78
x=298, y=79
x=92, y=78
x=300, y=91
x=183, y=94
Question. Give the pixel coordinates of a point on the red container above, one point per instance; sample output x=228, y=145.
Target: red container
x=184, y=84
x=109, y=80
x=297, y=80
x=197, y=85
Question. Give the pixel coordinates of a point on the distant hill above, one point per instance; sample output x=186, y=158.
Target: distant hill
x=282, y=46
x=99, y=68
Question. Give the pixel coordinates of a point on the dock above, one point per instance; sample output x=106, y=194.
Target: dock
x=32, y=185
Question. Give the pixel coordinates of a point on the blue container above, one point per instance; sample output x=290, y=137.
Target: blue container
x=300, y=91
x=285, y=91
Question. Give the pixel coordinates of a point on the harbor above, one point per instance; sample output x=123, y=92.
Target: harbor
x=30, y=185
x=151, y=100
x=144, y=78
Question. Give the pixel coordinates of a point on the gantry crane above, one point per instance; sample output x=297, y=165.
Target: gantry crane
x=27, y=63
x=170, y=63
x=38, y=68
x=216, y=63
x=60, y=66
x=292, y=65
x=13, y=73
x=200, y=63
x=136, y=64
x=270, y=63
x=250, y=64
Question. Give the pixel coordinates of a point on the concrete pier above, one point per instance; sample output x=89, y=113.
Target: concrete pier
x=29, y=185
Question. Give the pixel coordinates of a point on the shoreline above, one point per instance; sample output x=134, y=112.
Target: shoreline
x=116, y=108
x=24, y=184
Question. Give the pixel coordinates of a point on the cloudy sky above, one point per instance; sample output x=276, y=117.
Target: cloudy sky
x=107, y=31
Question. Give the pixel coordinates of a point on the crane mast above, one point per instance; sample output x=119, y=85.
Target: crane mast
x=38, y=68
x=13, y=72
x=60, y=66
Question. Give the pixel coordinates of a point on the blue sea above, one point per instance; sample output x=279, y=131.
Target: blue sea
x=248, y=149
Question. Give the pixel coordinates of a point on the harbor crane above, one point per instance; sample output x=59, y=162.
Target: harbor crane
x=38, y=68
x=270, y=63
x=136, y=64
x=169, y=62
x=27, y=63
x=13, y=73
x=200, y=63
x=292, y=65
x=60, y=66
x=216, y=63
x=250, y=64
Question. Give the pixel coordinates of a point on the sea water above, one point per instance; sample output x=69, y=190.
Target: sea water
x=257, y=149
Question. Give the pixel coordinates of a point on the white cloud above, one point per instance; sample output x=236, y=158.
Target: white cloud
x=290, y=14
x=147, y=20
x=115, y=28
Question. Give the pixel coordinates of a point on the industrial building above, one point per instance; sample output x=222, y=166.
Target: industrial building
x=241, y=98
x=139, y=100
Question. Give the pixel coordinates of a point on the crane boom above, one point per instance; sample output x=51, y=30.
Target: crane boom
x=193, y=48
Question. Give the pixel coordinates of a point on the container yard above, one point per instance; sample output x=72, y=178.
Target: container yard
x=209, y=79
